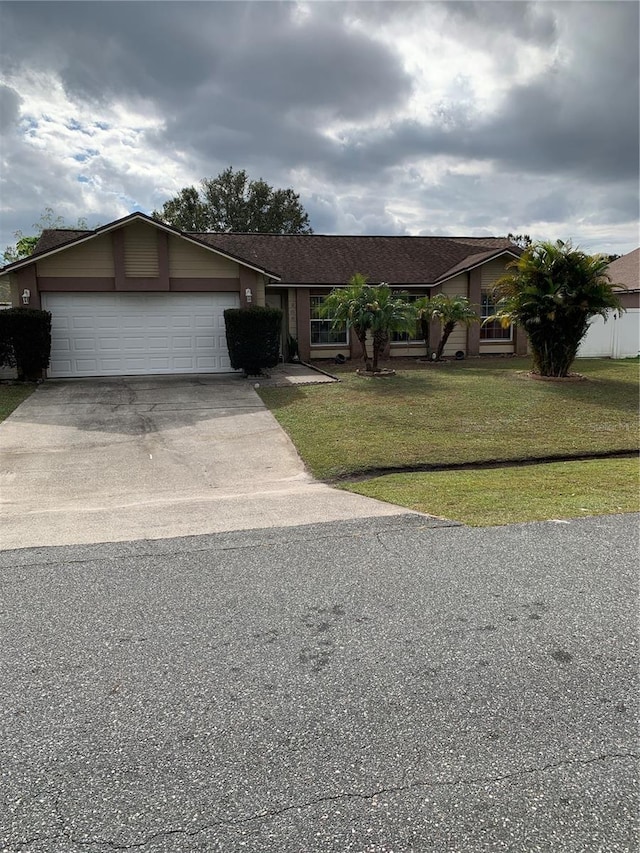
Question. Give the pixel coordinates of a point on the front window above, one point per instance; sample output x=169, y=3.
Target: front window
x=321, y=331
x=493, y=330
x=415, y=335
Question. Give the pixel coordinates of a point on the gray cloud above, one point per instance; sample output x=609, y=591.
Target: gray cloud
x=257, y=85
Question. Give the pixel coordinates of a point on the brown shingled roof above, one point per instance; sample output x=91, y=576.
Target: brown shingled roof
x=308, y=259
x=51, y=238
x=331, y=260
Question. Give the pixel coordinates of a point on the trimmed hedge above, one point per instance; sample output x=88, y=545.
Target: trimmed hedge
x=253, y=338
x=25, y=341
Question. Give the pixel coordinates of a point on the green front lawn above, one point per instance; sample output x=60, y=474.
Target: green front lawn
x=458, y=412
x=11, y=396
x=515, y=494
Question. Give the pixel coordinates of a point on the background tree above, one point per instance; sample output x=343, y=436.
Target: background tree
x=25, y=244
x=451, y=311
x=521, y=240
x=553, y=292
x=233, y=202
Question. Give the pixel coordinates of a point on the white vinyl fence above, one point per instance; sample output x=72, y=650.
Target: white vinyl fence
x=619, y=337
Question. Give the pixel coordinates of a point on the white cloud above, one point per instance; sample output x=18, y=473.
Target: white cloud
x=400, y=117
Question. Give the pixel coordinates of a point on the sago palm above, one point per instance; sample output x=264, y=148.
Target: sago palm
x=552, y=293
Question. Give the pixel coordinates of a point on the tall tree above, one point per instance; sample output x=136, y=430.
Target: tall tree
x=233, y=202
x=553, y=292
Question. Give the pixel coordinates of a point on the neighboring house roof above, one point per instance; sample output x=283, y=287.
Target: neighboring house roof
x=316, y=259
x=626, y=270
x=307, y=259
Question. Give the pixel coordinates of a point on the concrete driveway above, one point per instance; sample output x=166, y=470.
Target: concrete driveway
x=106, y=460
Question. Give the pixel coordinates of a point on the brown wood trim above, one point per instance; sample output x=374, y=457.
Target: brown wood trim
x=141, y=283
x=163, y=259
x=69, y=283
x=117, y=239
x=203, y=284
x=303, y=321
x=247, y=281
x=27, y=280
x=475, y=298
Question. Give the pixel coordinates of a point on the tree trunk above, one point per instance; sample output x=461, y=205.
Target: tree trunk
x=446, y=331
x=555, y=345
x=425, y=328
x=380, y=340
x=362, y=337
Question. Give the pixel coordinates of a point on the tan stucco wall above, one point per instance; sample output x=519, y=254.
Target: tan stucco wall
x=491, y=271
x=457, y=286
x=189, y=261
x=93, y=258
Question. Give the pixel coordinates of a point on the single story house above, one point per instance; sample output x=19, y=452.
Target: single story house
x=137, y=296
x=619, y=337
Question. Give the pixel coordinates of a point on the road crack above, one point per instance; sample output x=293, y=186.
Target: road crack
x=271, y=814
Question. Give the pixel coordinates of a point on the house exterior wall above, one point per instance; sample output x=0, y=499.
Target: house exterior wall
x=189, y=261
x=137, y=257
x=92, y=259
x=489, y=274
x=457, y=286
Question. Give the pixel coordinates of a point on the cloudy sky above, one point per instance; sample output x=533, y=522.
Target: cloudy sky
x=387, y=118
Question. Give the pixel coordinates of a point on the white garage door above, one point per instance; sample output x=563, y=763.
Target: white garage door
x=120, y=334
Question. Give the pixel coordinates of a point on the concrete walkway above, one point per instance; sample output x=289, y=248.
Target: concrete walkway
x=106, y=460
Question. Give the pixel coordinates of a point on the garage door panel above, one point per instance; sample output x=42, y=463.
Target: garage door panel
x=120, y=334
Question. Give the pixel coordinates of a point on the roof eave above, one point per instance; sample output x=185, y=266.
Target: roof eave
x=498, y=253
x=119, y=223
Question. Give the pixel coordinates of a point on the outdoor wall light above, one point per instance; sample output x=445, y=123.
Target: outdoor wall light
x=26, y=296
x=248, y=295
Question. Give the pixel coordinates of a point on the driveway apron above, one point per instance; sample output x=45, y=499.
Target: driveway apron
x=105, y=460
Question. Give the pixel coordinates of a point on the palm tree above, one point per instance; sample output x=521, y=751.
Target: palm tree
x=451, y=311
x=553, y=292
x=347, y=307
x=389, y=313
x=424, y=309
x=365, y=308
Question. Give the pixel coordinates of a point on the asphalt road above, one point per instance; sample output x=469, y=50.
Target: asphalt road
x=375, y=685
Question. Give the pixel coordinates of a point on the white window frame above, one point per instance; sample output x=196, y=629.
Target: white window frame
x=487, y=310
x=340, y=336
x=405, y=342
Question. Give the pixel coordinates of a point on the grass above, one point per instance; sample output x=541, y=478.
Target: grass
x=460, y=412
x=515, y=494
x=470, y=413
x=11, y=396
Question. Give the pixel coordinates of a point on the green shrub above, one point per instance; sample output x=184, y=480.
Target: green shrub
x=25, y=341
x=253, y=338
